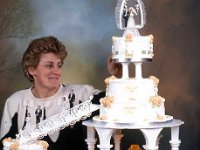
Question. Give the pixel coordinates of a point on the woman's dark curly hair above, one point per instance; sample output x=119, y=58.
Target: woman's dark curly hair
x=38, y=47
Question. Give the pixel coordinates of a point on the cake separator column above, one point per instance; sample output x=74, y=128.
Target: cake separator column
x=91, y=140
x=151, y=137
x=138, y=70
x=105, y=135
x=125, y=70
x=175, y=142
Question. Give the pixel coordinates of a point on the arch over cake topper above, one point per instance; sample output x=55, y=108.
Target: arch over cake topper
x=122, y=13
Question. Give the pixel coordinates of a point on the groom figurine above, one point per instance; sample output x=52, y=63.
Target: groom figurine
x=71, y=98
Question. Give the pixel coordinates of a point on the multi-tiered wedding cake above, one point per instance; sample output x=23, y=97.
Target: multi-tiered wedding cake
x=132, y=99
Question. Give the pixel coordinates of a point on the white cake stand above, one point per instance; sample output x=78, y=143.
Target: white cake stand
x=150, y=131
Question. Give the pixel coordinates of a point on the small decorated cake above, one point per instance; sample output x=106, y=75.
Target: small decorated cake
x=13, y=144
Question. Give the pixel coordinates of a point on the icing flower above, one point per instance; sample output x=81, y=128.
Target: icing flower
x=154, y=79
x=160, y=117
x=108, y=79
x=44, y=144
x=129, y=38
x=9, y=139
x=103, y=117
x=156, y=101
x=114, y=38
x=151, y=38
x=14, y=146
x=107, y=101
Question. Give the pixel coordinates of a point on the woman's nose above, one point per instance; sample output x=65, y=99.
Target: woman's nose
x=57, y=69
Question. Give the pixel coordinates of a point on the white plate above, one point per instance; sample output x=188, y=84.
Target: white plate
x=97, y=118
x=168, y=118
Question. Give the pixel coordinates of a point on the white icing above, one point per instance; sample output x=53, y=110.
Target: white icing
x=131, y=90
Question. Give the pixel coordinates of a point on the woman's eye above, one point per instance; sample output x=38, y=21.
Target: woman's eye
x=49, y=66
x=60, y=65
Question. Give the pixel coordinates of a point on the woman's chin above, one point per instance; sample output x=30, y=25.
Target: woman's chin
x=55, y=85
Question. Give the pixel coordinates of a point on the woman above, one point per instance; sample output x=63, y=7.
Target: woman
x=42, y=64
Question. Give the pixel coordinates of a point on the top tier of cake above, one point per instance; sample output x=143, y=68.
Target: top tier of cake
x=132, y=48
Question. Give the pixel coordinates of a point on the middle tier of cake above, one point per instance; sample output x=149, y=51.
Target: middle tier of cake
x=132, y=100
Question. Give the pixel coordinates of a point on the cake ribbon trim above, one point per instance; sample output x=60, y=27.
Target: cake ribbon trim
x=57, y=122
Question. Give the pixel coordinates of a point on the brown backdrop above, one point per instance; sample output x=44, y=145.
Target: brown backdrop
x=86, y=28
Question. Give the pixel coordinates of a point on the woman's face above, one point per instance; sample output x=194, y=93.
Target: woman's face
x=47, y=74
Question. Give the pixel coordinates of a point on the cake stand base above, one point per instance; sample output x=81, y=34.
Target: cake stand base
x=150, y=131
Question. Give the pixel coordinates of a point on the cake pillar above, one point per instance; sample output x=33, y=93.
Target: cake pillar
x=125, y=71
x=104, y=137
x=138, y=70
x=175, y=142
x=91, y=141
x=151, y=137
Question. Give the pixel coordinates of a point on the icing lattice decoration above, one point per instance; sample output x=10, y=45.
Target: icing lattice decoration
x=57, y=122
x=123, y=10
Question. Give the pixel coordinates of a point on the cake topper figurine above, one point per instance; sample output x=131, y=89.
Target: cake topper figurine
x=130, y=15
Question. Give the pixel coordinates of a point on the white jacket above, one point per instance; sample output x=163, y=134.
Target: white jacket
x=19, y=101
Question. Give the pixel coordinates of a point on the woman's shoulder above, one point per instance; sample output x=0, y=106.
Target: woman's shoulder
x=78, y=86
x=18, y=94
x=16, y=99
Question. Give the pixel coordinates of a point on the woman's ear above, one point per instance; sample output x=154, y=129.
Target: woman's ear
x=31, y=71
